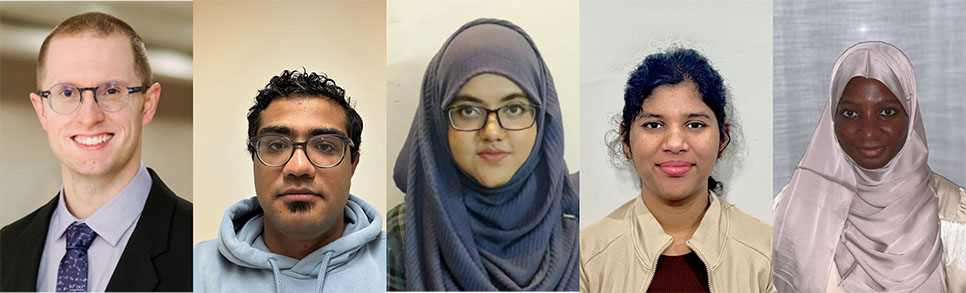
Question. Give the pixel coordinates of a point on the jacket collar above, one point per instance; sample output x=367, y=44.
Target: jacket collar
x=707, y=241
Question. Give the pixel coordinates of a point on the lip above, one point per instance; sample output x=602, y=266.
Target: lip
x=299, y=194
x=95, y=141
x=871, y=152
x=492, y=155
x=675, y=168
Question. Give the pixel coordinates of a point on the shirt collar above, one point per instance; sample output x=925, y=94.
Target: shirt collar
x=116, y=216
x=706, y=240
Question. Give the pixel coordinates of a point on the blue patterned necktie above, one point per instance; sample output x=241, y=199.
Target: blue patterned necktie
x=72, y=273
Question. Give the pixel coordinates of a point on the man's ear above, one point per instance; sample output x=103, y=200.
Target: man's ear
x=151, y=98
x=38, y=104
x=356, y=163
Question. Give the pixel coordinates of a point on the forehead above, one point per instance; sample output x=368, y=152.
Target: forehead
x=681, y=98
x=490, y=89
x=861, y=89
x=89, y=60
x=303, y=114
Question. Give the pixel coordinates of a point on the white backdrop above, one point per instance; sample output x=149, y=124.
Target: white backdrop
x=810, y=36
x=736, y=36
x=416, y=31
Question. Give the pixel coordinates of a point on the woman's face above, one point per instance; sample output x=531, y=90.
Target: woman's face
x=870, y=122
x=674, y=142
x=491, y=154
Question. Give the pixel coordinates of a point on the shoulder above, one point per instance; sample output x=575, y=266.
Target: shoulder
x=601, y=236
x=749, y=231
x=952, y=200
x=16, y=229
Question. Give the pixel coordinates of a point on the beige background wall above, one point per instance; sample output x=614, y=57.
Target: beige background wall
x=240, y=46
x=29, y=171
x=417, y=30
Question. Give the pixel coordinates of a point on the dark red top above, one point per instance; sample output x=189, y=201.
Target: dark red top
x=683, y=273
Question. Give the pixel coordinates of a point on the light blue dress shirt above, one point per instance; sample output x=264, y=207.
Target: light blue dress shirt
x=114, y=222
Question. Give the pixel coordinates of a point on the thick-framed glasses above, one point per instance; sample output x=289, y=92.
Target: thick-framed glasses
x=510, y=117
x=323, y=151
x=111, y=96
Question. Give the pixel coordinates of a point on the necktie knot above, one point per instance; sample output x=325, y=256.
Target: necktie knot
x=79, y=236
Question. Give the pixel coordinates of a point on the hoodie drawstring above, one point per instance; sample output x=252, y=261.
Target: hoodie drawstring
x=322, y=271
x=278, y=282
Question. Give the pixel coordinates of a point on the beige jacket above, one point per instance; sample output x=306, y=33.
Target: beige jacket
x=619, y=253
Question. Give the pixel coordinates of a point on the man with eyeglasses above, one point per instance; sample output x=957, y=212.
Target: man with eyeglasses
x=302, y=231
x=114, y=225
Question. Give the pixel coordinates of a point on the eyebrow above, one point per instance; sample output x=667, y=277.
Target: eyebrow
x=275, y=129
x=472, y=99
x=659, y=116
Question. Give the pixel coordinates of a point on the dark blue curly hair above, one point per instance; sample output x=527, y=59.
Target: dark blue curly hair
x=670, y=68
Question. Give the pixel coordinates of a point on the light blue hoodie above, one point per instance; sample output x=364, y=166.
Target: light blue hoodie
x=239, y=261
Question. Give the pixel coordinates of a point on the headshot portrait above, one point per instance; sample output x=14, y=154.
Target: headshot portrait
x=87, y=209
x=482, y=196
x=868, y=179
x=293, y=149
x=674, y=147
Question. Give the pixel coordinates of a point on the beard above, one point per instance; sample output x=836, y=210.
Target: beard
x=299, y=206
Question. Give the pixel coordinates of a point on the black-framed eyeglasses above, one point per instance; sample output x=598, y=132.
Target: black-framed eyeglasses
x=510, y=117
x=323, y=151
x=111, y=96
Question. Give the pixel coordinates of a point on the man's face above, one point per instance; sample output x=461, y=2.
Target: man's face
x=91, y=141
x=301, y=200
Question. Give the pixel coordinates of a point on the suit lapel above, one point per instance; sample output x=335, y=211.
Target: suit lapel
x=30, y=248
x=135, y=270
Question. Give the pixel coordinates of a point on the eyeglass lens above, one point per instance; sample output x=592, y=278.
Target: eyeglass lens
x=323, y=151
x=110, y=96
x=511, y=117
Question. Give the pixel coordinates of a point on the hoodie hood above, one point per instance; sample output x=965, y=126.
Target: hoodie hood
x=240, y=242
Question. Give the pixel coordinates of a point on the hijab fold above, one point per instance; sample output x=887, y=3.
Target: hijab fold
x=461, y=235
x=879, y=228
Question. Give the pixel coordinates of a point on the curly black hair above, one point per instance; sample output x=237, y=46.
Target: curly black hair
x=294, y=83
x=670, y=68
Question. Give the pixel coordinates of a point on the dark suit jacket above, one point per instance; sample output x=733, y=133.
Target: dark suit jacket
x=157, y=256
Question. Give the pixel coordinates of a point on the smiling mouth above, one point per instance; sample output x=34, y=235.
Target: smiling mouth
x=92, y=140
x=675, y=168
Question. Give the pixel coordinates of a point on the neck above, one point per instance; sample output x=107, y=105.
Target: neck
x=298, y=247
x=85, y=194
x=678, y=218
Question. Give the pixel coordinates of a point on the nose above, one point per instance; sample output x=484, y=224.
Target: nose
x=492, y=131
x=675, y=141
x=299, y=165
x=870, y=129
x=89, y=113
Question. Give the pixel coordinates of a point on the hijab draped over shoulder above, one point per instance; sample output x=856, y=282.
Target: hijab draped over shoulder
x=461, y=235
x=878, y=227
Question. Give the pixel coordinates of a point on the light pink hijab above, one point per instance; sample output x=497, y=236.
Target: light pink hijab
x=880, y=227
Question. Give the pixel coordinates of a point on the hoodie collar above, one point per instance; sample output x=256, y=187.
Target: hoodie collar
x=707, y=240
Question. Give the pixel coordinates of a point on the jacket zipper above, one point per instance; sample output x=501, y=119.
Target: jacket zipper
x=707, y=268
x=650, y=276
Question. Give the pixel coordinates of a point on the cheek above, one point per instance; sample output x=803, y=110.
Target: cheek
x=523, y=141
x=460, y=143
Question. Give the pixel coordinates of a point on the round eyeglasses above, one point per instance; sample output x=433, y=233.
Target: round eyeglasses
x=111, y=96
x=510, y=117
x=323, y=151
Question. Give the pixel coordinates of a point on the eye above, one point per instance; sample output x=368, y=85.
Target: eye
x=652, y=125
x=67, y=93
x=695, y=125
x=849, y=114
x=514, y=109
x=468, y=111
x=112, y=91
x=324, y=147
x=888, y=112
x=276, y=145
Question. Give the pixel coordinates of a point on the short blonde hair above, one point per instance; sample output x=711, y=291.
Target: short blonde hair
x=100, y=25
